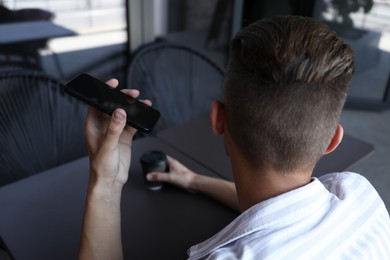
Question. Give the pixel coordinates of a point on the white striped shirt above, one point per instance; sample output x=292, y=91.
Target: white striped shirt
x=337, y=216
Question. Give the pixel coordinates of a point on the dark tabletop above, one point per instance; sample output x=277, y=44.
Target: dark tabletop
x=41, y=216
x=196, y=140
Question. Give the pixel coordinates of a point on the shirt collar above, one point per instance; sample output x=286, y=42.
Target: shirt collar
x=280, y=210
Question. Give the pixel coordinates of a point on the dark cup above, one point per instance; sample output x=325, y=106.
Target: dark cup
x=153, y=161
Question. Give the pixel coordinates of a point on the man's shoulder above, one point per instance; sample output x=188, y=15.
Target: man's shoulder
x=352, y=189
x=345, y=183
x=341, y=176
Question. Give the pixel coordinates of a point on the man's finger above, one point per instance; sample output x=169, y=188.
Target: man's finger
x=93, y=123
x=113, y=83
x=134, y=93
x=158, y=176
x=147, y=102
x=114, y=130
x=173, y=163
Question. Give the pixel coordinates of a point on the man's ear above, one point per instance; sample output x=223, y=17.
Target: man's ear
x=336, y=140
x=217, y=117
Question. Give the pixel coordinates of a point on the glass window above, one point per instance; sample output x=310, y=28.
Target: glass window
x=96, y=22
x=365, y=26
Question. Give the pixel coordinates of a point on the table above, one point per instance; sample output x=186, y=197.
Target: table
x=196, y=140
x=31, y=31
x=41, y=216
x=20, y=41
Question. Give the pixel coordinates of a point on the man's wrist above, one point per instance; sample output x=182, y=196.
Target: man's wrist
x=195, y=183
x=103, y=188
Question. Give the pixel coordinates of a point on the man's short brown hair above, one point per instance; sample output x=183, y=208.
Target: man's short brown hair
x=285, y=86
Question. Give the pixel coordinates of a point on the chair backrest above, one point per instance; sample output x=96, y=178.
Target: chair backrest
x=40, y=126
x=181, y=81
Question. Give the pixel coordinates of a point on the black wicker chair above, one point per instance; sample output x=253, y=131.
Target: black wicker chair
x=181, y=81
x=40, y=126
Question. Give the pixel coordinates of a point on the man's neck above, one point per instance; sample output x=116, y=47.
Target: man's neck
x=254, y=187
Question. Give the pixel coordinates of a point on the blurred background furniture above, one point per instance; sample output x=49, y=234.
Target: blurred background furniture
x=41, y=127
x=18, y=47
x=24, y=33
x=180, y=81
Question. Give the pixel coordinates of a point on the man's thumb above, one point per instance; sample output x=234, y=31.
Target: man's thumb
x=115, y=127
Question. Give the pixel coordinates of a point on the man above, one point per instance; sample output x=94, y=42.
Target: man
x=285, y=86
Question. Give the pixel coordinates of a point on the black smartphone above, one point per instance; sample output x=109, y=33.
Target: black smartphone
x=105, y=98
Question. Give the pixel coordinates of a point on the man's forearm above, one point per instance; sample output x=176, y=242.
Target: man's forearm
x=221, y=190
x=101, y=237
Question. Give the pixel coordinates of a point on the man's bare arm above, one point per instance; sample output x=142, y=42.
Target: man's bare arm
x=221, y=190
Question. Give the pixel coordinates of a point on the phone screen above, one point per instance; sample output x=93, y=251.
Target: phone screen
x=101, y=96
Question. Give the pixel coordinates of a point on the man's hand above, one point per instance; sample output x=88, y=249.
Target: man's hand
x=178, y=175
x=216, y=188
x=109, y=142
